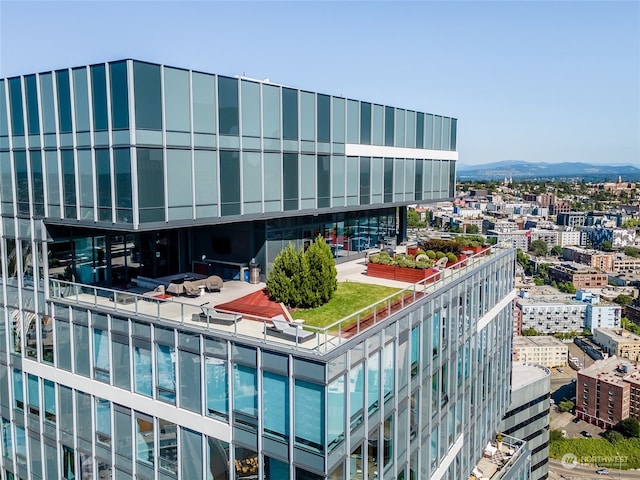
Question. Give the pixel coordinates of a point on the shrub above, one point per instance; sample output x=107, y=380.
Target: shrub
x=431, y=254
x=424, y=264
x=613, y=436
x=630, y=427
x=440, y=255
x=303, y=279
x=420, y=252
x=403, y=260
x=451, y=257
x=383, y=258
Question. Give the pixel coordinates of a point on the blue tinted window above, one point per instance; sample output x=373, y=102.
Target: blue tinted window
x=22, y=182
x=150, y=184
x=217, y=387
x=365, y=123
x=365, y=180
x=46, y=98
x=4, y=129
x=228, y=106
x=119, y=95
x=289, y=114
x=122, y=167
x=148, y=101
x=37, y=186
x=81, y=99
x=99, y=97
x=454, y=133
x=204, y=104
x=290, y=180
x=420, y=131
x=276, y=405
x=437, y=133
x=245, y=390
x=324, y=180
x=101, y=355
x=230, y=184
x=428, y=131
x=64, y=101
x=165, y=373
x=142, y=369
x=324, y=118
x=32, y=104
x=309, y=415
x=103, y=183
x=389, y=127
x=15, y=97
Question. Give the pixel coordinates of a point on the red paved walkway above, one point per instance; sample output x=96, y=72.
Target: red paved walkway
x=256, y=303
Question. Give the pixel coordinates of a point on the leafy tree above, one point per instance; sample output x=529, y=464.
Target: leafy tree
x=539, y=248
x=632, y=252
x=321, y=277
x=630, y=427
x=567, y=287
x=284, y=281
x=555, y=436
x=614, y=436
x=606, y=246
x=473, y=229
x=556, y=251
x=629, y=325
x=530, y=332
x=623, y=299
x=538, y=281
x=566, y=405
x=413, y=219
x=303, y=279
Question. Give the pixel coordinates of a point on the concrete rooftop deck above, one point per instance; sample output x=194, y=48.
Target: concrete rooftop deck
x=187, y=310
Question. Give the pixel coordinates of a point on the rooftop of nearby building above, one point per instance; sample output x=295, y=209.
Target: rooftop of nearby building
x=200, y=312
x=524, y=373
x=575, y=268
x=613, y=370
x=520, y=341
x=618, y=334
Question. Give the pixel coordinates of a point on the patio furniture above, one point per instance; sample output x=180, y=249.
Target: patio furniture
x=215, y=316
x=191, y=289
x=213, y=283
x=283, y=329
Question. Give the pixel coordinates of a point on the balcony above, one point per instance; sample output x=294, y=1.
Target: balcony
x=199, y=313
x=498, y=461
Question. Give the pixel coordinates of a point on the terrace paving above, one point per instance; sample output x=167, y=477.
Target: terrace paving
x=252, y=322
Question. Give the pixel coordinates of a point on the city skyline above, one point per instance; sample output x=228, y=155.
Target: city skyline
x=537, y=81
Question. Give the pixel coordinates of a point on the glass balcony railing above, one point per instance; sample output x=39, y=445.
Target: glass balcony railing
x=304, y=337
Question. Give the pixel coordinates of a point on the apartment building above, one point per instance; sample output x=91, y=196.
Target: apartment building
x=131, y=172
x=619, y=342
x=543, y=350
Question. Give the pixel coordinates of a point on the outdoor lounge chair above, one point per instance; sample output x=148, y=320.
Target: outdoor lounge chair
x=213, y=283
x=283, y=329
x=441, y=263
x=215, y=317
x=191, y=289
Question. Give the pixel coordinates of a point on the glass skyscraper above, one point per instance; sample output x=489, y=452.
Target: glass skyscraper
x=129, y=171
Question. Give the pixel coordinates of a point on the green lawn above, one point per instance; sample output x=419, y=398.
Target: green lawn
x=600, y=450
x=348, y=298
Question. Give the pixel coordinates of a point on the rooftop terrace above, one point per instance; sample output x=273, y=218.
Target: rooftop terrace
x=200, y=312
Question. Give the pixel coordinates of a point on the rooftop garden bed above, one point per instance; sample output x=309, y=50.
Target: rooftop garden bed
x=347, y=299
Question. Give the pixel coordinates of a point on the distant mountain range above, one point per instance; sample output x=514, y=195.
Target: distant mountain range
x=521, y=170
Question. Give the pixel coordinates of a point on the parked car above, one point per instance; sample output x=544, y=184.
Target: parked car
x=576, y=420
x=586, y=434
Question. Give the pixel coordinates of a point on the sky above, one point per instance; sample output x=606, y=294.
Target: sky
x=537, y=81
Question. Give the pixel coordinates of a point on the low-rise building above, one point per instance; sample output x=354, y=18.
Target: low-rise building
x=519, y=238
x=549, y=314
x=619, y=342
x=592, y=258
x=581, y=276
x=625, y=263
x=608, y=391
x=545, y=350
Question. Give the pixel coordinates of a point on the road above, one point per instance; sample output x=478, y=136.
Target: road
x=583, y=472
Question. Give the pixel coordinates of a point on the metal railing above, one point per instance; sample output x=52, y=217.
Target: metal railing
x=325, y=339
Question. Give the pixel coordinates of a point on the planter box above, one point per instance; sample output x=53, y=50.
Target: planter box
x=461, y=262
x=412, y=251
x=401, y=274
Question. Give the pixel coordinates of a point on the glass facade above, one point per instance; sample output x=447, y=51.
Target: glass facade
x=101, y=168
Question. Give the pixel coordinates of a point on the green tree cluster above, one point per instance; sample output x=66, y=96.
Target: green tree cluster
x=630, y=427
x=539, y=248
x=413, y=219
x=623, y=299
x=303, y=279
x=566, y=405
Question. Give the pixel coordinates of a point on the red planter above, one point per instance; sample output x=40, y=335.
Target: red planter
x=413, y=251
x=460, y=262
x=401, y=274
